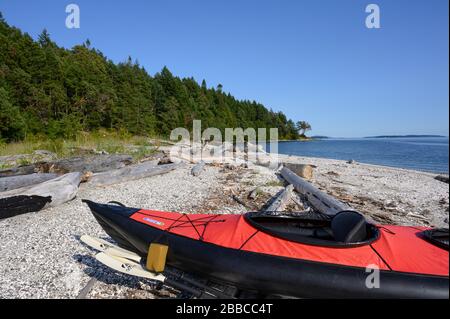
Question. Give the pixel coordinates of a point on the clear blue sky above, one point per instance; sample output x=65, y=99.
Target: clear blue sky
x=314, y=60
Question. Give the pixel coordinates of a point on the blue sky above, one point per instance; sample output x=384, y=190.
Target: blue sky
x=314, y=60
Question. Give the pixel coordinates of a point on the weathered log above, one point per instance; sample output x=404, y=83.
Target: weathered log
x=95, y=164
x=27, y=199
x=36, y=156
x=279, y=202
x=198, y=168
x=22, y=204
x=132, y=172
x=321, y=201
x=18, y=171
x=14, y=182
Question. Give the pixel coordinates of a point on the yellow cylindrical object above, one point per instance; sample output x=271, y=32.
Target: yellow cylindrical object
x=156, y=258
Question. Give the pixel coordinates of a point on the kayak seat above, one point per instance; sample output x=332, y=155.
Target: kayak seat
x=345, y=229
x=349, y=227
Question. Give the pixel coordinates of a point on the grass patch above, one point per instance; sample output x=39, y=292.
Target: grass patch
x=112, y=142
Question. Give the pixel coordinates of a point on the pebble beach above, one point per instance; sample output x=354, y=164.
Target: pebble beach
x=42, y=256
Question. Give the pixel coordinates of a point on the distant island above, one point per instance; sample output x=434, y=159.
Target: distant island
x=403, y=136
x=319, y=137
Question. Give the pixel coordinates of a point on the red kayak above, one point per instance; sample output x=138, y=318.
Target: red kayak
x=303, y=255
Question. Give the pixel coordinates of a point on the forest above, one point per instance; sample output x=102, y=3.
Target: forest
x=56, y=92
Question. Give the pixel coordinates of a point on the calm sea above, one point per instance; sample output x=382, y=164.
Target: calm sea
x=425, y=154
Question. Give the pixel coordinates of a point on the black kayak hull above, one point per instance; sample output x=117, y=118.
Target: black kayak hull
x=267, y=274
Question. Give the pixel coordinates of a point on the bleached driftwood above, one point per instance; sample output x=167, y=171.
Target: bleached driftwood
x=95, y=164
x=132, y=172
x=34, y=198
x=281, y=199
x=198, y=168
x=14, y=182
x=17, y=171
x=321, y=201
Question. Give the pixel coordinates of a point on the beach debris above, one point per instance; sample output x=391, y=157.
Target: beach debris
x=29, y=199
x=198, y=168
x=321, y=201
x=303, y=170
x=18, y=171
x=414, y=215
x=24, y=159
x=14, y=182
x=22, y=204
x=95, y=164
x=86, y=177
x=280, y=201
x=254, y=193
x=442, y=178
x=239, y=201
x=87, y=289
x=132, y=172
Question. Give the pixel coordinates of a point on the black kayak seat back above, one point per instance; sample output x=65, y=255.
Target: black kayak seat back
x=349, y=227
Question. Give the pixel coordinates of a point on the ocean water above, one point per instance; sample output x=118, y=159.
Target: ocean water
x=425, y=154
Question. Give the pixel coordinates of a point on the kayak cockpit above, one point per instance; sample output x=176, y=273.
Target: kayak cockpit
x=345, y=229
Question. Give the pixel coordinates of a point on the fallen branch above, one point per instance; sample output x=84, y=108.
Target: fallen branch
x=279, y=202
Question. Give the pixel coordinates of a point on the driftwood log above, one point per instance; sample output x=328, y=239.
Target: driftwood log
x=95, y=164
x=279, y=202
x=14, y=182
x=17, y=171
x=132, y=172
x=198, y=168
x=34, y=198
x=322, y=202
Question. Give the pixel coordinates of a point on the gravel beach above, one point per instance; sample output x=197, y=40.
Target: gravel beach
x=42, y=257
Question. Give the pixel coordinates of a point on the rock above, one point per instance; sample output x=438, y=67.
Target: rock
x=442, y=178
x=352, y=161
x=303, y=170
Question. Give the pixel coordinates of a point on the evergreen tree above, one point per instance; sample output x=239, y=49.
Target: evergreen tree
x=11, y=121
x=45, y=89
